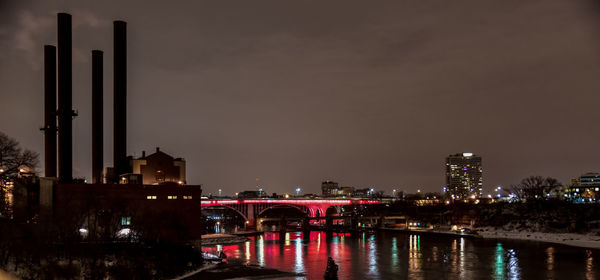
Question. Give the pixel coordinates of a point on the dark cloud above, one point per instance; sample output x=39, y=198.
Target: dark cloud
x=359, y=92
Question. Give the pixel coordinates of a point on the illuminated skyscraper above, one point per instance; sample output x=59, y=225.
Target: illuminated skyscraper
x=463, y=176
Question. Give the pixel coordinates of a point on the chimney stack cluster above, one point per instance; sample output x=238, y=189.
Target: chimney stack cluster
x=65, y=112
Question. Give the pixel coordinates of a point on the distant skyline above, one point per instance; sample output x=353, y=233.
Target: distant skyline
x=296, y=92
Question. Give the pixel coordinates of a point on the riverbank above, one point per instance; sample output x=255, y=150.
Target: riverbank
x=451, y=233
x=571, y=239
x=222, y=239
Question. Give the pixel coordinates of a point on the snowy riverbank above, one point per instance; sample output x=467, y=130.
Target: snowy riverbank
x=222, y=239
x=571, y=239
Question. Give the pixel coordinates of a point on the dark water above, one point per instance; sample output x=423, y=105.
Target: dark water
x=388, y=255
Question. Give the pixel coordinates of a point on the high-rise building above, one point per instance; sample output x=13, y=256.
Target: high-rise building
x=463, y=176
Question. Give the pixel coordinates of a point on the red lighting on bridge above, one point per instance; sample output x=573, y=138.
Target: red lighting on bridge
x=301, y=201
x=218, y=202
x=289, y=201
x=368, y=202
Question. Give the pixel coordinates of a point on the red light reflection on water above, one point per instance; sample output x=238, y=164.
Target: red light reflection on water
x=295, y=253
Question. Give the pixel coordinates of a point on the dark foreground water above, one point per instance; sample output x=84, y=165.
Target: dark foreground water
x=389, y=255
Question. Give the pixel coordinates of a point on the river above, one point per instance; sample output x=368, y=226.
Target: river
x=389, y=255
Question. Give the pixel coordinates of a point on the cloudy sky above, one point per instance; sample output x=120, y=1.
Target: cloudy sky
x=366, y=93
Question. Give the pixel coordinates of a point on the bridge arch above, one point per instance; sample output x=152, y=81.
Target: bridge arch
x=228, y=207
x=300, y=208
x=331, y=210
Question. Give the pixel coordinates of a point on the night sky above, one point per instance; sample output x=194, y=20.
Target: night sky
x=365, y=93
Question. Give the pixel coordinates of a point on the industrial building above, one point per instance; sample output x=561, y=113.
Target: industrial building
x=159, y=168
x=142, y=195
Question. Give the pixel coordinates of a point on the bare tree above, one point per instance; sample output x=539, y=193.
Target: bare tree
x=534, y=187
x=12, y=159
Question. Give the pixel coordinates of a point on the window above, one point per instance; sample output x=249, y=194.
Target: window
x=125, y=221
x=172, y=197
x=159, y=176
x=187, y=197
x=151, y=197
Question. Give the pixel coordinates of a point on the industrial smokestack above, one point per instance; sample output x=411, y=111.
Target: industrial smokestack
x=120, y=99
x=49, y=111
x=97, y=115
x=65, y=107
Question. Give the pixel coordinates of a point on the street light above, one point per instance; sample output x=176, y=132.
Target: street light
x=298, y=190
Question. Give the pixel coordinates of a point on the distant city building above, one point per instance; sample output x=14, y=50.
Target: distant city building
x=585, y=188
x=157, y=168
x=346, y=191
x=463, y=176
x=329, y=188
x=365, y=192
x=249, y=194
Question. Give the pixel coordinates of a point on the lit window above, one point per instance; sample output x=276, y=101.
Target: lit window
x=125, y=221
x=172, y=197
x=151, y=197
x=187, y=197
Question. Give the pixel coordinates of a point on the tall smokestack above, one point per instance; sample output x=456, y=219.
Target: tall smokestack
x=65, y=105
x=49, y=111
x=97, y=115
x=120, y=98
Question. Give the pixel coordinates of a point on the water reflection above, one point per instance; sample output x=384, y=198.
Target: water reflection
x=299, y=264
x=499, y=262
x=401, y=256
x=589, y=266
x=247, y=251
x=260, y=254
x=414, y=257
x=372, y=251
x=550, y=263
x=395, y=256
x=513, y=261
x=461, y=259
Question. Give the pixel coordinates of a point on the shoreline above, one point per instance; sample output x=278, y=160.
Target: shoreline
x=236, y=269
x=569, y=239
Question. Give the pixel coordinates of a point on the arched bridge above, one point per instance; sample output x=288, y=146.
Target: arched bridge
x=250, y=209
